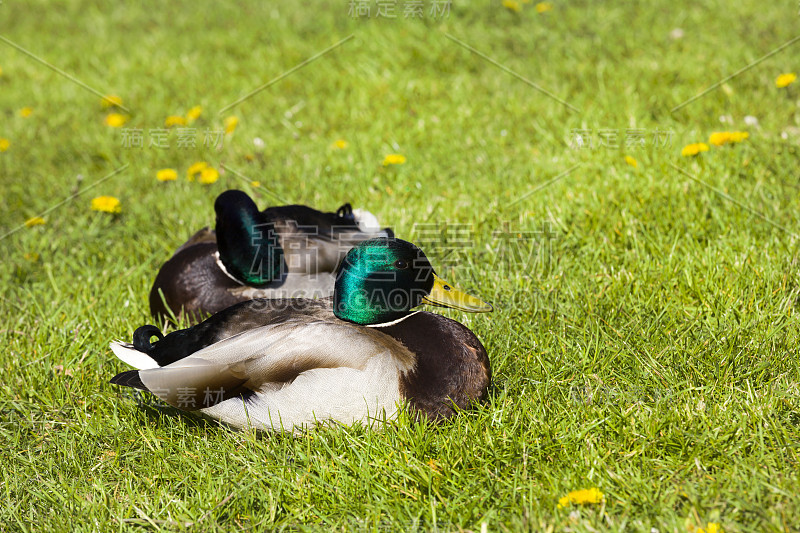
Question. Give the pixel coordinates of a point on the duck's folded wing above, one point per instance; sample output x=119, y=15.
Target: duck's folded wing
x=264, y=358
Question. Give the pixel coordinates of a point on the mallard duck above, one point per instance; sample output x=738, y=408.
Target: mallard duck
x=287, y=251
x=284, y=364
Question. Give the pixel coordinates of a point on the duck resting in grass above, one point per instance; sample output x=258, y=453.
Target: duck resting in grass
x=282, y=252
x=285, y=364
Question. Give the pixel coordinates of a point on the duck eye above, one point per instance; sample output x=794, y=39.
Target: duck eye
x=446, y=287
x=401, y=264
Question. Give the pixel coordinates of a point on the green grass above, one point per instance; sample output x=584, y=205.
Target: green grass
x=647, y=346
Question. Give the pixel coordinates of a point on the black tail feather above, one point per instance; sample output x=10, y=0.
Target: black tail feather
x=142, y=336
x=345, y=211
x=129, y=379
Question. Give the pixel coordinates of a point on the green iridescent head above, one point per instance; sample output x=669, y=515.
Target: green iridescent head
x=247, y=241
x=381, y=280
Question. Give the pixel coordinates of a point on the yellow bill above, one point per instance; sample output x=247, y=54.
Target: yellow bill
x=445, y=295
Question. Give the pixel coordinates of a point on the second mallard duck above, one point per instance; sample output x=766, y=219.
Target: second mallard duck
x=287, y=364
x=282, y=252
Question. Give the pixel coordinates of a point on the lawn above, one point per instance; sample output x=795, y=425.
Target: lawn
x=645, y=332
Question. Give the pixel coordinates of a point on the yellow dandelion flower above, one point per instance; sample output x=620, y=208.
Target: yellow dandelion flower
x=512, y=5
x=784, y=80
x=543, y=7
x=394, y=159
x=33, y=257
x=195, y=170
x=208, y=176
x=194, y=113
x=739, y=136
x=231, y=123
x=340, y=144
x=166, y=174
x=111, y=100
x=4, y=144
x=35, y=221
x=718, y=138
x=25, y=112
x=694, y=149
x=255, y=183
x=174, y=120
x=581, y=497
x=106, y=204
x=631, y=161
x=712, y=527
x=116, y=120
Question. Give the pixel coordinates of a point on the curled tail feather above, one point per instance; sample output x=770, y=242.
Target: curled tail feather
x=142, y=336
